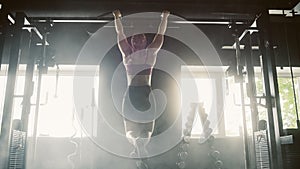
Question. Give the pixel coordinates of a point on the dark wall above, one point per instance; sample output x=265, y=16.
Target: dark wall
x=291, y=157
x=286, y=38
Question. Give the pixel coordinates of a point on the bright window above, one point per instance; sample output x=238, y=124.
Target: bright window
x=199, y=91
x=57, y=117
x=221, y=97
x=207, y=88
x=287, y=98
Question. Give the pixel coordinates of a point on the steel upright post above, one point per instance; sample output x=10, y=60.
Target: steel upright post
x=10, y=87
x=271, y=91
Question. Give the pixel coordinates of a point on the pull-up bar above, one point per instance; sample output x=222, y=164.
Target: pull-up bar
x=27, y=26
x=97, y=20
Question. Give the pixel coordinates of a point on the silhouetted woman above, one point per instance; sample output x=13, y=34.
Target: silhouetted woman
x=139, y=103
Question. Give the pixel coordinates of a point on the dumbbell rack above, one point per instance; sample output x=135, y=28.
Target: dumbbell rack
x=206, y=137
x=17, y=150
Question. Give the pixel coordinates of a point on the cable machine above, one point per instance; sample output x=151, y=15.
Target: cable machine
x=13, y=138
x=274, y=127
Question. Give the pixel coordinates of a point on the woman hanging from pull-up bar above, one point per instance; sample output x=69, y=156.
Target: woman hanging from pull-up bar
x=138, y=102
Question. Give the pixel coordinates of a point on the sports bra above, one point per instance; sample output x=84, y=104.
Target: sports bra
x=139, y=69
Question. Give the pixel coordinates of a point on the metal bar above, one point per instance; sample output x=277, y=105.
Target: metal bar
x=37, y=106
x=240, y=75
x=220, y=108
x=251, y=82
x=34, y=29
x=251, y=29
x=2, y=40
x=271, y=91
x=28, y=90
x=251, y=92
x=4, y=24
x=9, y=94
x=107, y=20
x=245, y=135
x=292, y=74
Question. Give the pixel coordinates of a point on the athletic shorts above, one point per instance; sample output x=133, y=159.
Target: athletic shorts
x=138, y=108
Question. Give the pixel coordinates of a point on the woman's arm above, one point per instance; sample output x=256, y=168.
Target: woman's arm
x=123, y=44
x=159, y=37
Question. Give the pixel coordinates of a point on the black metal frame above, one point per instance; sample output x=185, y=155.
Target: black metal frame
x=275, y=128
x=271, y=90
x=251, y=93
x=10, y=87
x=20, y=40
